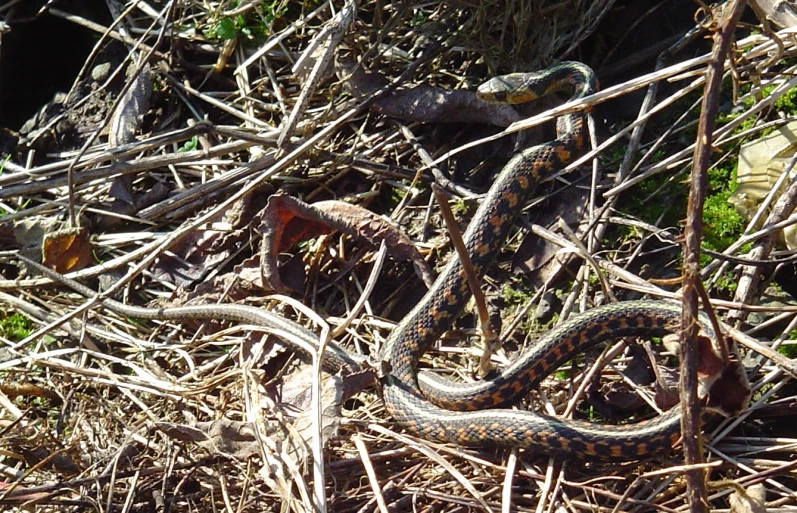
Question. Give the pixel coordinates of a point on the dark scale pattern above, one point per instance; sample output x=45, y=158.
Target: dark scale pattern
x=417, y=406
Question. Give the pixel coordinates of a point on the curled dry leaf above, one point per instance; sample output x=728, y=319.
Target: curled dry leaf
x=61, y=247
x=239, y=440
x=286, y=221
x=221, y=437
x=723, y=384
x=297, y=392
x=730, y=392
x=67, y=250
x=125, y=122
x=750, y=500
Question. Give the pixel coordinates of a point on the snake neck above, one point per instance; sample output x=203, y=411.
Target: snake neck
x=512, y=188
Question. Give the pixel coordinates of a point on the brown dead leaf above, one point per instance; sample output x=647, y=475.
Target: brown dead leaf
x=536, y=257
x=725, y=385
x=65, y=461
x=222, y=437
x=67, y=250
x=422, y=103
x=750, y=500
x=206, y=247
x=286, y=221
x=710, y=364
x=730, y=392
x=297, y=392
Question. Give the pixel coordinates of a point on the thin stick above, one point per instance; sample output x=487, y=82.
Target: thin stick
x=690, y=420
x=488, y=335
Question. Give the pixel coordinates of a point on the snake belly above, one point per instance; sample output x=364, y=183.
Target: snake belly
x=422, y=408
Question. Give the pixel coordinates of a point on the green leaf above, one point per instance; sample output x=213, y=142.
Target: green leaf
x=225, y=29
x=189, y=145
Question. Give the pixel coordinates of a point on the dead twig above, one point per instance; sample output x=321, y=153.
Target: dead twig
x=487, y=332
x=693, y=232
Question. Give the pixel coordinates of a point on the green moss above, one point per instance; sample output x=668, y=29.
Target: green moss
x=222, y=29
x=189, y=145
x=727, y=282
x=15, y=327
x=515, y=295
x=787, y=102
x=418, y=18
x=788, y=350
x=722, y=226
x=397, y=195
x=459, y=207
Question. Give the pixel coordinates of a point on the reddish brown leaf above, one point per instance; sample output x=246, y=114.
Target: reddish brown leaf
x=286, y=221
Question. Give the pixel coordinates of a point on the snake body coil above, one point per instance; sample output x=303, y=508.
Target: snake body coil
x=434, y=408
x=426, y=408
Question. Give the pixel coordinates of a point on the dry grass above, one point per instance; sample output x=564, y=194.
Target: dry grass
x=100, y=413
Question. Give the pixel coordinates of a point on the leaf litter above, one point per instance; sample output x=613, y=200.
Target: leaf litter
x=198, y=402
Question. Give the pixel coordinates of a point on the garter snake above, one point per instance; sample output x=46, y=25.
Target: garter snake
x=335, y=357
x=426, y=407
x=631, y=318
x=434, y=408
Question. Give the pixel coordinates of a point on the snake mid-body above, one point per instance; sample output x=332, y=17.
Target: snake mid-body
x=426, y=408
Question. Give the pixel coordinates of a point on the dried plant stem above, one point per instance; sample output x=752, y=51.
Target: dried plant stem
x=690, y=421
x=488, y=335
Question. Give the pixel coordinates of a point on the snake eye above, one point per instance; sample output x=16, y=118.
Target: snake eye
x=500, y=96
